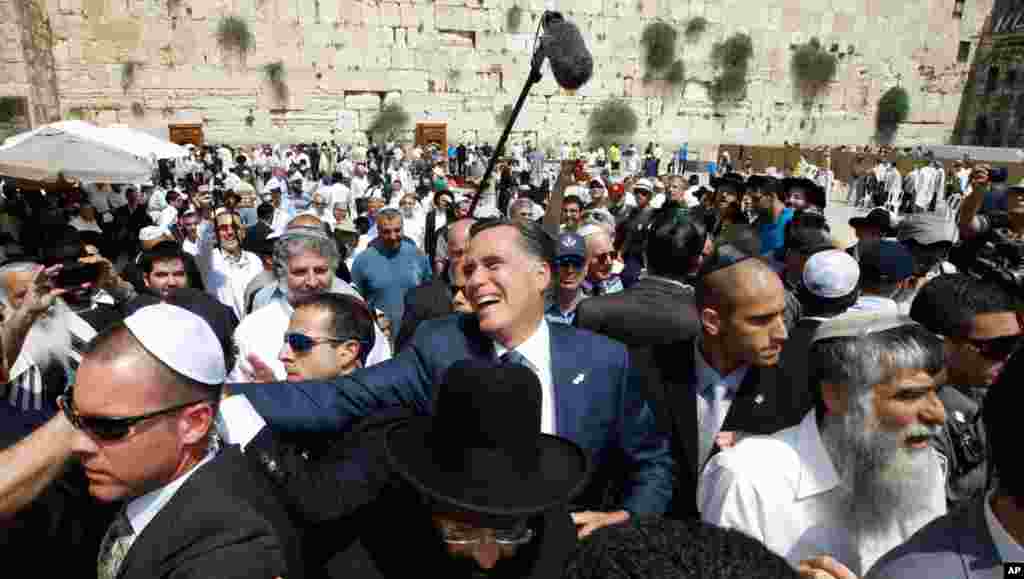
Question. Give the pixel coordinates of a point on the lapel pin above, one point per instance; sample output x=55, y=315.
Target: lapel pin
x=759, y=399
x=577, y=379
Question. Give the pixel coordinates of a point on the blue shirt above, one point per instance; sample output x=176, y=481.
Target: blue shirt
x=383, y=279
x=773, y=234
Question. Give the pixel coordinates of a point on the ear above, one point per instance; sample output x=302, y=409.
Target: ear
x=544, y=274
x=196, y=421
x=145, y=279
x=711, y=320
x=835, y=398
x=346, y=353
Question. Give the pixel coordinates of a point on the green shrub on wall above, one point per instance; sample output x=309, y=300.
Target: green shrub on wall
x=275, y=74
x=128, y=70
x=233, y=35
x=390, y=119
x=731, y=59
x=8, y=109
x=893, y=109
x=612, y=121
x=813, y=67
x=513, y=18
x=695, y=28
x=660, y=63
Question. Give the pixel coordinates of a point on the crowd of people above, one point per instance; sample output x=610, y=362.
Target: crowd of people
x=342, y=361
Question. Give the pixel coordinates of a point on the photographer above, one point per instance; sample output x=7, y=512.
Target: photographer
x=992, y=245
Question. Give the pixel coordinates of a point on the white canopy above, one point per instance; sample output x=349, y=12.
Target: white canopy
x=133, y=141
x=49, y=152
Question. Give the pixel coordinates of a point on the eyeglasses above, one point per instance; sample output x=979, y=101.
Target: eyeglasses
x=111, y=428
x=303, y=343
x=606, y=256
x=996, y=349
x=513, y=536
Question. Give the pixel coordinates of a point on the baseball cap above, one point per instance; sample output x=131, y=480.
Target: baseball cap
x=571, y=247
x=831, y=274
x=926, y=229
x=886, y=261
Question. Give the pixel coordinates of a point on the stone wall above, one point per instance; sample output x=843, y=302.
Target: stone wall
x=452, y=60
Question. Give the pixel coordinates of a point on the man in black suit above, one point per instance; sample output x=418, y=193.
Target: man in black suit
x=256, y=234
x=140, y=421
x=659, y=308
x=709, y=391
x=433, y=299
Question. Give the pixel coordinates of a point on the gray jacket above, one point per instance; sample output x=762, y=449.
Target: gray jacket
x=955, y=545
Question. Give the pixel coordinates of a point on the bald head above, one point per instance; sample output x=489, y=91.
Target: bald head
x=750, y=279
x=305, y=221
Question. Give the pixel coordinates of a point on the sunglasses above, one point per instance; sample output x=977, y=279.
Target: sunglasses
x=997, y=349
x=111, y=428
x=303, y=343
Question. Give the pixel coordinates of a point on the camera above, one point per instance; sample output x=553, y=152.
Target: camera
x=1001, y=261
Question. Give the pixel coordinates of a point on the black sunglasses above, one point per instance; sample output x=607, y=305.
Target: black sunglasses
x=997, y=349
x=110, y=427
x=303, y=343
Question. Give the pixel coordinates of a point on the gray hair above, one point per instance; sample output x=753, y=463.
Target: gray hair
x=522, y=202
x=13, y=267
x=299, y=240
x=389, y=213
x=859, y=363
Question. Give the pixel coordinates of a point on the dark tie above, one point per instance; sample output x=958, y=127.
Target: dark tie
x=514, y=357
x=114, y=547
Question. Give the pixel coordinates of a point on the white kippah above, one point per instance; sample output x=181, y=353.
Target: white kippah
x=588, y=230
x=180, y=339
x=151, y=232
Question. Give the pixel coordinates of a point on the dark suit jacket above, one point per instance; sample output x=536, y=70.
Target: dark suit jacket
x=955, y=545
x=427, y=301
x=651, y=312
x=596, y=403
x=225, y=521
x=762, y=405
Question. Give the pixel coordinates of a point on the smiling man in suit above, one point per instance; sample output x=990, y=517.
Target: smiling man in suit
x=710, y=391
x=588, y=394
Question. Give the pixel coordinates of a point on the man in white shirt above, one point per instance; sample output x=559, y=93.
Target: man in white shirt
x=858, y=475
x=305, y=261
x=226, y=268
x=169, y=214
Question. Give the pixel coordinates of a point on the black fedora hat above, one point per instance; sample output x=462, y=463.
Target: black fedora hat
x=813, y=192
x=877, y=217
x=482, y=450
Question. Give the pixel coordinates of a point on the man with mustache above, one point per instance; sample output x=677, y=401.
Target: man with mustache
x=859, y=474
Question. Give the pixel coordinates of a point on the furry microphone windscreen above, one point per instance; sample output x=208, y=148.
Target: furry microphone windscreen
x=571, y=62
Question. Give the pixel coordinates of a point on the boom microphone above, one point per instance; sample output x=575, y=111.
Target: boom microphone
x=571, y=62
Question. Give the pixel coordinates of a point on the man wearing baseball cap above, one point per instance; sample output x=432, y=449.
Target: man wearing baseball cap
x=886, y=268
x=572, y=268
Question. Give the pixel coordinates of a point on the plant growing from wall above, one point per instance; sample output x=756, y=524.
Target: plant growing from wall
x=233, y=35
x=695, y=28
x=138, y=110
x=513, y=18
x=128, y=70
x=274, y=73
x=390, y=119
x=8, y=108
x=660, y=63
x=731, y=59
x=454, y=75
x=893, y=109
x=612, y=121
x=501, y=119
x=813, y=67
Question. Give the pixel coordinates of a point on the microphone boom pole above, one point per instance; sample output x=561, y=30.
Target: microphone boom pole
x=534, y=77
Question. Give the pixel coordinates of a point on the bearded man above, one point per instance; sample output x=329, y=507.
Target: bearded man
x=859, y=475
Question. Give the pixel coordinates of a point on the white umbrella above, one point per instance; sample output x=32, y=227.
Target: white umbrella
x=48, y=152
x=143, y=143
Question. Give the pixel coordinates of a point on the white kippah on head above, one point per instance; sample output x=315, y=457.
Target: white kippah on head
x=151, y=232
x=831, y=274
x=180, y=339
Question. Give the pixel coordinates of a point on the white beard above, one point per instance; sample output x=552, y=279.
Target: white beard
x=49, y=339
x=887, y=482
x=230, y=246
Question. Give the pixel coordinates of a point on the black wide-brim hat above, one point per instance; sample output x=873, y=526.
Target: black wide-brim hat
x=482, y=451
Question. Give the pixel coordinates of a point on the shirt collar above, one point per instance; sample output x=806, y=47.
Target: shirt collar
x=536, y=348
x=1008, y=548
x=707, y=375
x=817, y=472
x=669, y=281
x=142, y=510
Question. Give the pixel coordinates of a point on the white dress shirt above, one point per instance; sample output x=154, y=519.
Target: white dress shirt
x=224, y=276
x=783, y=490
x=537, y=350
x=1008, y=549
x=142, y=510
x=711, y=413
x=168, y=217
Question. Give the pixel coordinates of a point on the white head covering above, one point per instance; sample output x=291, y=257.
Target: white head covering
x=151, y=232
x=180, y=339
